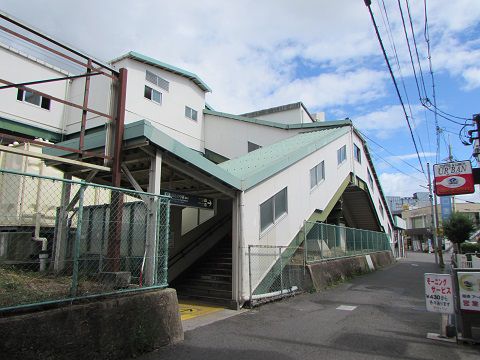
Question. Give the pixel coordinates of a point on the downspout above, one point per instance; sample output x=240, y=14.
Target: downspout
x=241, y=246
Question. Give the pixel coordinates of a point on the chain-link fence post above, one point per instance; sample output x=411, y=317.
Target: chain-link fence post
x=78, y=237
x=281, y=269
x=250, y=272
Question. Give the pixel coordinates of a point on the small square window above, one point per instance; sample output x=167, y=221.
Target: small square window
x=152, y=94
x=190, y=113
x=342, y=154
x=357, y=153
x=32, y=98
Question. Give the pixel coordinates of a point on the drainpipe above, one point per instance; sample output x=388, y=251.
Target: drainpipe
x=241, y=245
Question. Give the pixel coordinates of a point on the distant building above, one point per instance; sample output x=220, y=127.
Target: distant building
x=397, y=204
x=419, y=223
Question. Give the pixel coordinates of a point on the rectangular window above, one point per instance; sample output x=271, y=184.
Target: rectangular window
x=342, y=154
x=317, y=174
x=381, y=208
x=272, y=209
x=157, y=80
x=34, y=99
x=190, y=113
x=357, y=153
x=153, y=94
x=370, y=179
x=252, y=146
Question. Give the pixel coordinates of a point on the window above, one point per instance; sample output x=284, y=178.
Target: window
x=370, y=179
x=272, y=209
x=157, y=80
x=357, y=153
x=153, y=94
x=342, y=154
x=381, y=208
x=35, y=99
x=253, y=146
x=317, y=174
x=190, y=113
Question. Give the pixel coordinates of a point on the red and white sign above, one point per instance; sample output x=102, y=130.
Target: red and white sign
x=453, y=178
x=439, y=293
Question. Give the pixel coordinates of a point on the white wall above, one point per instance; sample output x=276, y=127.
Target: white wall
x=16, y=67
x=292, y=116
x=99, y=98
x=168, y=117
x=230, y=137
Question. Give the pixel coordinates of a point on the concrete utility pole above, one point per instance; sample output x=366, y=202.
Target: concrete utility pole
x=433, y=221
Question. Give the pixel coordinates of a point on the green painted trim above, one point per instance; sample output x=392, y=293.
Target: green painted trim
x=314, y=125
x=322, y=216
x=144, y=129
x=157, y=63
x=28, y=130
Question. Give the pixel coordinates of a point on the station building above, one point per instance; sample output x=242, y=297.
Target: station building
x=235, y=179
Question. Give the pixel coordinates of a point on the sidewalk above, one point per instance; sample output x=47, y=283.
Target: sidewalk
x=376, y=316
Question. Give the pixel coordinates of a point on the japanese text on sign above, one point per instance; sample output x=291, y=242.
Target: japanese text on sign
x=439, y=293
x=469, y=285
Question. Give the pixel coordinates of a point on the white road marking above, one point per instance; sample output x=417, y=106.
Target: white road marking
x=346, y=307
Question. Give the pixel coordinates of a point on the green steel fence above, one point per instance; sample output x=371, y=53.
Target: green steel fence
x=325, y=241
x=278, y=271
x=62, y=240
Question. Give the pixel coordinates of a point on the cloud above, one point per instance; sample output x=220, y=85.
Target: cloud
x=398, y=184
x=413, y=156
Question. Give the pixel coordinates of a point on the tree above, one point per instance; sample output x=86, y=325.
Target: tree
x=458, y=229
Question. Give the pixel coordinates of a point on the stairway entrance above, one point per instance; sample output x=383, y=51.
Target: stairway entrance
x=210, y=278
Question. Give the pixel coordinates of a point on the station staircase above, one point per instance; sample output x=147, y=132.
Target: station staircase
x=210, y=278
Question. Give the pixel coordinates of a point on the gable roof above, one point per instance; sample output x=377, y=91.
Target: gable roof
x=265, y=162
x=314, y=125
x=164, y=66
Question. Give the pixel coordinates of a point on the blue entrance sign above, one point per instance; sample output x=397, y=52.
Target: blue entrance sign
x=446, y=207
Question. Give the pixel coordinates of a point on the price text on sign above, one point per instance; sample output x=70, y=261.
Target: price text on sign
x=469, y=286
x=454, y=178
x=439, y=293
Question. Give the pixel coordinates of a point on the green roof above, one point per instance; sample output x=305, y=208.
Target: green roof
x=314, y=125
x=265, y=162
x=145, y=129
x=164, y=66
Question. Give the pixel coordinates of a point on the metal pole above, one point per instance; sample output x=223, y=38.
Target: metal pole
x=76, y=248
x=432, y=221
x=281, y=270
x=439, y=239
x=250, y=271
x=321, y=241
x=304, y=248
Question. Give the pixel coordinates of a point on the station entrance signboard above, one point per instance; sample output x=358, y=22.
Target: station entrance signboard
x=453, y=178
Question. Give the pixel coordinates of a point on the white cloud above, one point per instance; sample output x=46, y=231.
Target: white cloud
x=413, y=156
x=398, y=184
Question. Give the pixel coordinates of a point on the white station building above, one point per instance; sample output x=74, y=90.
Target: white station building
x=261, y=174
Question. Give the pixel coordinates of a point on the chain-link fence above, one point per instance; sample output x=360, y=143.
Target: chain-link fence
x=278, y=271
x=325, y=241
x=275, y=271
x=63, y=239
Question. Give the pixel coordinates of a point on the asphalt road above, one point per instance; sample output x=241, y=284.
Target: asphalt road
x=389, y=322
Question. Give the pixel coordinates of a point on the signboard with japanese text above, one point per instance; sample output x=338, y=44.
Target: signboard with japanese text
x=469, y=286
x=188, y=200
x=439, y=293
x=453, y=178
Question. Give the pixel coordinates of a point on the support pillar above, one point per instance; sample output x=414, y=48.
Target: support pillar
x=61, y=230
x=151, y=243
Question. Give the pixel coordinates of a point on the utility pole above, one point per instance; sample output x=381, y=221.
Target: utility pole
x=433, y=222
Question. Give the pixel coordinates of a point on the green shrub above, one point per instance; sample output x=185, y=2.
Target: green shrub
x=468, y=247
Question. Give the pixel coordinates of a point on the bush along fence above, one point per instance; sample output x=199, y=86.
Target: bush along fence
x=62, y=240
x=279, y=271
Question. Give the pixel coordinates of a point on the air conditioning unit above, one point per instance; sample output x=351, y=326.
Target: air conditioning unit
x=17, y=246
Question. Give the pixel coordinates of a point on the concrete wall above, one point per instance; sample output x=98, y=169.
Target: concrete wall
x=18, y=67
x=169, y=116
x=230, y=137
x=327, y=273
x=113, y=328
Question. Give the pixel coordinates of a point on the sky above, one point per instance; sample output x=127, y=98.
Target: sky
x=259, y=54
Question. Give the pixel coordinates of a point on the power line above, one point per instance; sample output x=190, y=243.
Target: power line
x=368, y=3
x=388, y=151
x=375, y=155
